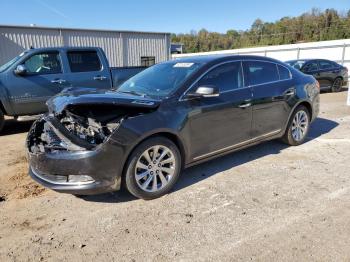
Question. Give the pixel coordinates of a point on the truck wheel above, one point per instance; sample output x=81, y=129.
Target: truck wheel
x=337, y=85
x=298, y=127
x=153, y=168
x=2, y=120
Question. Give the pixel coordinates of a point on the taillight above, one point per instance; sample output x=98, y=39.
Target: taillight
x=318, y=84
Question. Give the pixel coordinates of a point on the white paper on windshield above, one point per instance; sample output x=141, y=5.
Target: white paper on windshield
x=183, y=65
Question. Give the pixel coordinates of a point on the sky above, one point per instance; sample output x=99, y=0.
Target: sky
x=174, y=16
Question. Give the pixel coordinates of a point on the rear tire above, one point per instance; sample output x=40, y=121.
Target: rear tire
x=2, y=120
x=337, y=85
x=298, y=127
x=153, y=168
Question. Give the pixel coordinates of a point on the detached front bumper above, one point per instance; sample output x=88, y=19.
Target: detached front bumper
x=84, y=172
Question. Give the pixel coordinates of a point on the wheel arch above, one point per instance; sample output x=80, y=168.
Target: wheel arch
x=2, y=108
x=166, y=134
x=341, y=77
x=305, y=103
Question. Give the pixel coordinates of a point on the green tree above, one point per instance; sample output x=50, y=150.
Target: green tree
x=315, y=25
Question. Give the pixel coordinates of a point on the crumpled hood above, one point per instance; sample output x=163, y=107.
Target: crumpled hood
x=91, y=96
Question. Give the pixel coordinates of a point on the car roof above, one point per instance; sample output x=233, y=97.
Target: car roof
x=310, y=59
x=60, y=48
x=306, y=60
x=205, y=59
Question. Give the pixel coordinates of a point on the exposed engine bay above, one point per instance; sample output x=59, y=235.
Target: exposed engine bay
x=77, y=128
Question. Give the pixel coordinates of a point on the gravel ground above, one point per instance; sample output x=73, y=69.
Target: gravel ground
x=269, y=202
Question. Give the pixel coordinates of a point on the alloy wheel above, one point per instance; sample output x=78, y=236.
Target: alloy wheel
x=300, y=125
x=155, y=168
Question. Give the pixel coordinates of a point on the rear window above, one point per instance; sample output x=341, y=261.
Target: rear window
x=326, y=65
x=261, y=72
x=283, y=72
x=84, y=61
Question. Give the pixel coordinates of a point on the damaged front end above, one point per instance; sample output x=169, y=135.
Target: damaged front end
x=75, y=148
x=78, y=128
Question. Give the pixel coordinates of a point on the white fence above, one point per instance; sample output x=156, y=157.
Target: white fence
x=336, y=50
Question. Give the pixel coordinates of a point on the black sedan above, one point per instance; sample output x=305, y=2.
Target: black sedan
x=331, y=75
x=171, y=116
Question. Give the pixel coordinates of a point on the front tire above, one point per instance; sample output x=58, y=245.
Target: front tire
x=337, y=85
x=153, y=168
x=298, y=127
x=2, y=120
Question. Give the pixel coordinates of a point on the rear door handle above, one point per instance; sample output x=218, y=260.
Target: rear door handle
x=58, y=81
x=100, y=78
x=245, y=105
x=290, y=92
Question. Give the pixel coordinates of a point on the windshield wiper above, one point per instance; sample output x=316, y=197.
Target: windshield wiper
x=132, y=92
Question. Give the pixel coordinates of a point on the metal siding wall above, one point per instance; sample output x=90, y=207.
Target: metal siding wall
x=14, y=41
x=142, y=44
x=110, y=42
x=122, y=48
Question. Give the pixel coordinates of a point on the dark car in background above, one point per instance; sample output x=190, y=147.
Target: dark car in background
x=168, y=117
x=331, y=75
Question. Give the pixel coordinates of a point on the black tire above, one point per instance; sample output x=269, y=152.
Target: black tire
x=2, y=120
x=337, y=85
x=130, y=170
x=288, y=136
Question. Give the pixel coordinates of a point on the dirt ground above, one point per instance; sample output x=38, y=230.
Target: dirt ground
x=269, y=202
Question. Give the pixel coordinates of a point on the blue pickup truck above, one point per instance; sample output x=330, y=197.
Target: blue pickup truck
x=30, y=79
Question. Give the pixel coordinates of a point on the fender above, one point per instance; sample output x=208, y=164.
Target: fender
x=292, y=111
x=161, y=132
x=5, y=104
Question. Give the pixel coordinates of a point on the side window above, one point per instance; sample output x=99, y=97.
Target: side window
x=283, y=72
x=148, y=60
x=325, y=65
x=335, y=65
x=225, y=77
x=309, y=67
x=44, y=63
x=259, y=72
x=84, y=61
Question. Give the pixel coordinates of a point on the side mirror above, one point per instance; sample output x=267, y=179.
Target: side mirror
x=205, y=91
x=20, y=70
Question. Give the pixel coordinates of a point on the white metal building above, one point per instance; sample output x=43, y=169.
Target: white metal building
x=336, y=50
x=123, y=48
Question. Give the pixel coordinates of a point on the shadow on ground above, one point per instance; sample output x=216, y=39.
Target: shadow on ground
x=15, y=127
x=200, y=172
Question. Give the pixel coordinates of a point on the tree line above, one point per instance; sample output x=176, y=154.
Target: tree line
x=315, y=25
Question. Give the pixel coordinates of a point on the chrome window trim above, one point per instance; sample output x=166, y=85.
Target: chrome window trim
x=244, y=79
x=271, y=82
x=237, y=145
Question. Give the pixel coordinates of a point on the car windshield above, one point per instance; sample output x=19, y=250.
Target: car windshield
x=10, y=63
x=297, y=64
x=159, y=80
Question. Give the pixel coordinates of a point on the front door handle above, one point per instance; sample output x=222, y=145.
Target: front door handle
x=100, y=78
x=58, y=81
